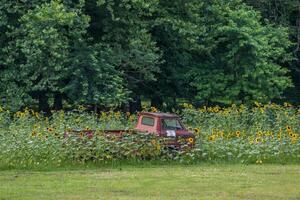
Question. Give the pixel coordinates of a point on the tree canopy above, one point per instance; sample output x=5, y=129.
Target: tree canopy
x=112, y=53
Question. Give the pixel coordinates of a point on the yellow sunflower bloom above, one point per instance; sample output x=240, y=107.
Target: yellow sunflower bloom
x=212, y=138
x=197, y=130
x=153, y=109
x=258, y=140
x=191, y=140
x=288, y=128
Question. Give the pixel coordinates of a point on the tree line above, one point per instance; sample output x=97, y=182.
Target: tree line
x=114, y=53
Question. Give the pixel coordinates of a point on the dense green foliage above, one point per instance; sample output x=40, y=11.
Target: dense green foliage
x=108, y=53
x=264, y=134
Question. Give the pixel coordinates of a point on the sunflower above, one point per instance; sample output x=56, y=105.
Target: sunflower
x=288, y=128
x=212, y=138
x=131, y=118
x=279, y=136
x=153, y=109
x=216, y=109
x=259, y=133
x=153, y=142
x=197, y=130
x=49, y=129
x=33, y=133
x=286, y=104
x=81, y=135
x=295, y=136
x=238, y=134
x=191, y=140
x=117, y=115
x=258, y=140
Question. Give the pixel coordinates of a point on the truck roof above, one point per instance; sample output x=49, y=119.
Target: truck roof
x=159, y=114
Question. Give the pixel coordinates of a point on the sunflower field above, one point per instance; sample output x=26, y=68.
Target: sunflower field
x=260, y=134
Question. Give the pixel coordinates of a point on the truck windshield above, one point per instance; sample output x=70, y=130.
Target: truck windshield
x=171, y=124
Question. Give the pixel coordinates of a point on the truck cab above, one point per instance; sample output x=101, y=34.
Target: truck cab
x=165, y=125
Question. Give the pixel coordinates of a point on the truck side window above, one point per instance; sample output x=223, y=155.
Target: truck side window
x=148, y=121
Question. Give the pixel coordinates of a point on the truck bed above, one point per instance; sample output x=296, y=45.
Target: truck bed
x=91, y=133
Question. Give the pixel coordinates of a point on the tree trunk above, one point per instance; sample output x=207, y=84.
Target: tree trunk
x=135, y=105
x=43, y=103
x=156, y=102
x=58, y=101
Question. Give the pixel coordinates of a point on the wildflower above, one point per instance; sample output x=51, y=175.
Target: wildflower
x=259, y=161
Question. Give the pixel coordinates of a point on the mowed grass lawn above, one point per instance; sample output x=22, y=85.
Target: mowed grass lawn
x=158, y=182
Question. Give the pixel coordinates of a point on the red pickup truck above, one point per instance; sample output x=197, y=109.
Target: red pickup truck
x=164, y=125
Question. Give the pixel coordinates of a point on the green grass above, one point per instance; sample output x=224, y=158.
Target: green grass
x=156, y=182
